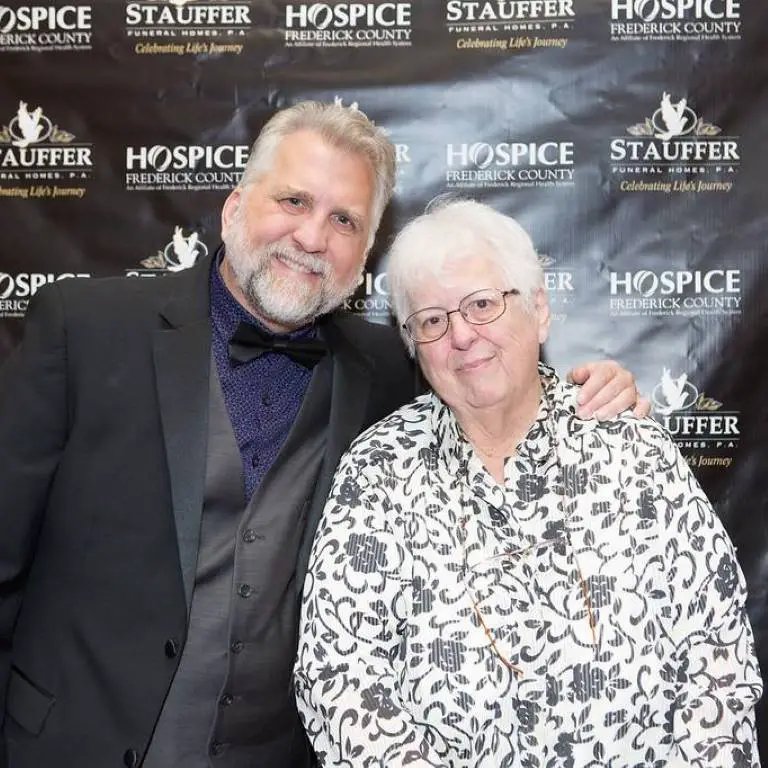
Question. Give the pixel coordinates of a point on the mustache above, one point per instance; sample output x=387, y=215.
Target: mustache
x=305, y=260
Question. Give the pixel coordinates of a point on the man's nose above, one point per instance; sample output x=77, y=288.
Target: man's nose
x=312, y=234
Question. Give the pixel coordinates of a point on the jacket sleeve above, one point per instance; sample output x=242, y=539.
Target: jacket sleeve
x=718, y=674
x=33, y=428
x=349, y=657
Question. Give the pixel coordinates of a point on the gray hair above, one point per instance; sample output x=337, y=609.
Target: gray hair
x=447, y=233
x=346, y=128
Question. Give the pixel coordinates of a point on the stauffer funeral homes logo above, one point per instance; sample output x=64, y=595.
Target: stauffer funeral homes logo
x=402, y=150
x=674, y=144
x=694, y=420
x=676, y=293
x=181, y=252
x=681, y=20
x=509, y=165
x=179, y=27
x=34, y=28
x=509, y=25
x=17, y=290
x=347, y=25
x=35, y=151
x=559, y=282
x=403, y=159
x=184, y=167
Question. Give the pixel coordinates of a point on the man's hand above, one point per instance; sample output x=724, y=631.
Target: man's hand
x=607, y=390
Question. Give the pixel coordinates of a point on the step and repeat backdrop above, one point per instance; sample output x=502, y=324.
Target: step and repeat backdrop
x=627, y=136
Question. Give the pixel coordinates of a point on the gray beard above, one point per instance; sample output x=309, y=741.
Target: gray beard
x=279, y=298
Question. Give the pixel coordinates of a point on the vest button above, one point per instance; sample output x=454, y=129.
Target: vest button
x=131, y=758
x=171, y=648
x=217, y=748
x=245, y=590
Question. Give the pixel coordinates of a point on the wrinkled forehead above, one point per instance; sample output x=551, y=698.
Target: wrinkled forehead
x=306, y=162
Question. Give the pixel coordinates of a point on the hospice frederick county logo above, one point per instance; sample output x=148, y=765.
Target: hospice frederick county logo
x=35, y=151
x=509, y=165
x=678, y=20
x=184, y=167
x=694, y=420
x=347, y=25
x=187, y=27
x=673, y=151
x=371, y=300
x=676, y=293
x=17, y=290
x=509, y=25
x=182, y=252
x=40, y=28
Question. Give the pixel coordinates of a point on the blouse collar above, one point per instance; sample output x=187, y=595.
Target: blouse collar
x=556, y=420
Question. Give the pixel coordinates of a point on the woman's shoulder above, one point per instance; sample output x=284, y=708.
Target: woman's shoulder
x=622, y=430
x=402, y=430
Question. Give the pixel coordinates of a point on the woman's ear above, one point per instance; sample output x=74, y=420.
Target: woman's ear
x=543, y=315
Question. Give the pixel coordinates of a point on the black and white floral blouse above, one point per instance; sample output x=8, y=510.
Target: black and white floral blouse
x=590, y=612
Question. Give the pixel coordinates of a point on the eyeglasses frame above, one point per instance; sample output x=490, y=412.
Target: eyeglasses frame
x=566, y=537
x=489, y=633
x=504, y=294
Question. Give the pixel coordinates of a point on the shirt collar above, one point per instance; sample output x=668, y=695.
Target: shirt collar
x=556, y=419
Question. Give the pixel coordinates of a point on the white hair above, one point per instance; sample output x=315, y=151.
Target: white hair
x=345, y=128
x=448, y=233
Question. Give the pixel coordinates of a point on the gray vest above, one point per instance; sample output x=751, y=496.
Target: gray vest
x=231, y=702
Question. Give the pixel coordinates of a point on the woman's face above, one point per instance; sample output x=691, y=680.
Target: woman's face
x=481, y=366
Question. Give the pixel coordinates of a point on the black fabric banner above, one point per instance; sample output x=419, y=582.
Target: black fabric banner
x=625, y=135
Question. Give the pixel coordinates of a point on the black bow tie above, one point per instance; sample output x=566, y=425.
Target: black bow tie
x=248, y=343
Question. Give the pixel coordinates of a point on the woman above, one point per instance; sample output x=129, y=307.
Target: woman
x=498, y=583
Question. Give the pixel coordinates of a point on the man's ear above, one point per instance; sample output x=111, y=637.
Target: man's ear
x=229, y=209
x=543, y=315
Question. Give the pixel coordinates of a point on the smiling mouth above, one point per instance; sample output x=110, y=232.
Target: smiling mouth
x=297, y=266
x=473, y=365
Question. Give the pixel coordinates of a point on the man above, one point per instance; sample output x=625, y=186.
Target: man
x=167, y=449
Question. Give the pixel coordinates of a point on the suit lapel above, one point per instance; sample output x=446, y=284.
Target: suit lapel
x=350, y=392
x=182, y=350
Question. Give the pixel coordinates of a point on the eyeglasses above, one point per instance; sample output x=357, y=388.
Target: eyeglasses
x=478, y=308
x=515, y=557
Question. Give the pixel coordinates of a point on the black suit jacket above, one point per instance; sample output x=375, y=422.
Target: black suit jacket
x=103, y=435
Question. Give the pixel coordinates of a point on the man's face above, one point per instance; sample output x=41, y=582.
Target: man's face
x=295, y=239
